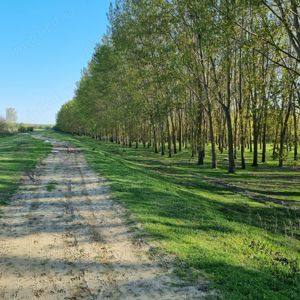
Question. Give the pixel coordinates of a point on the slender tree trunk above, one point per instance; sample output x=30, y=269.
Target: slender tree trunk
x=231, y=162
x=282, y=136
x=169, y=137
x=241, y=113
x=186, y=137
x=255, y=130
x=155, y=139
x=200, y=142
x=180, y=130
x=162, y=136
x=243, y=162
x=212, y=138
x=264, y=141
x=174, y=138
x=235, y=132
x=295, y=134
x=255, y=144
x=250, y=137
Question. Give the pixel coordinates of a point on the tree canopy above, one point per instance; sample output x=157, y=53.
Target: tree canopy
x=188, y=73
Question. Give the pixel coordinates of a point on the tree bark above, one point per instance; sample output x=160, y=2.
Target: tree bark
x=295, y=134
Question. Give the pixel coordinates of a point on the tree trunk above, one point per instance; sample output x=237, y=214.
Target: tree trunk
x=180, y=131
x=264, y=142
x=169, y=137
x=241, y=113
x=282, y=136
x=155, y=140
x=231, y=162
x=295, y=134
x=162, y=136
x=255, y=144
x=212, y=138
x=174, y=138
x=200, y=142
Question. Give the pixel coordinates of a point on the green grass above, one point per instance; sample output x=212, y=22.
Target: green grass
x=19, y=154
x=230, y=228
x=51, y=186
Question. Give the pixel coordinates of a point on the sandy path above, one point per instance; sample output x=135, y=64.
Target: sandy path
x=62, y=237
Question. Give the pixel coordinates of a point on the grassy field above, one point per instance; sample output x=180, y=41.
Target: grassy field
x=19, y=154
x=241, y=231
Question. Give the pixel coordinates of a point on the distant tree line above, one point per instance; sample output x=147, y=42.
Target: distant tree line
x=173, y=74
x=9, y=124
x=25, y=128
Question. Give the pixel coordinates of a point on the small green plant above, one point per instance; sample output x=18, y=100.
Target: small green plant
x=51, y=186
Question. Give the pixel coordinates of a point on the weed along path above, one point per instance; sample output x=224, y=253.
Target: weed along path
x=63, y=237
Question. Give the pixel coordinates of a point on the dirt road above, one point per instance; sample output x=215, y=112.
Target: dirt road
x=63, y=237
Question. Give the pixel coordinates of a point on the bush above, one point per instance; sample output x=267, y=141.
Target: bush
x=24, y=129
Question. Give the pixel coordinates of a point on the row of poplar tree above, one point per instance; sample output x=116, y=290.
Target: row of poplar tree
x=217, y=74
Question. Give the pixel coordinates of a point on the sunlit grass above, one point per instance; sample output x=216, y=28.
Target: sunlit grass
x=19, y=154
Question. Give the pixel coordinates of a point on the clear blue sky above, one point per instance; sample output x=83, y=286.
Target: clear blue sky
x=44, y=46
